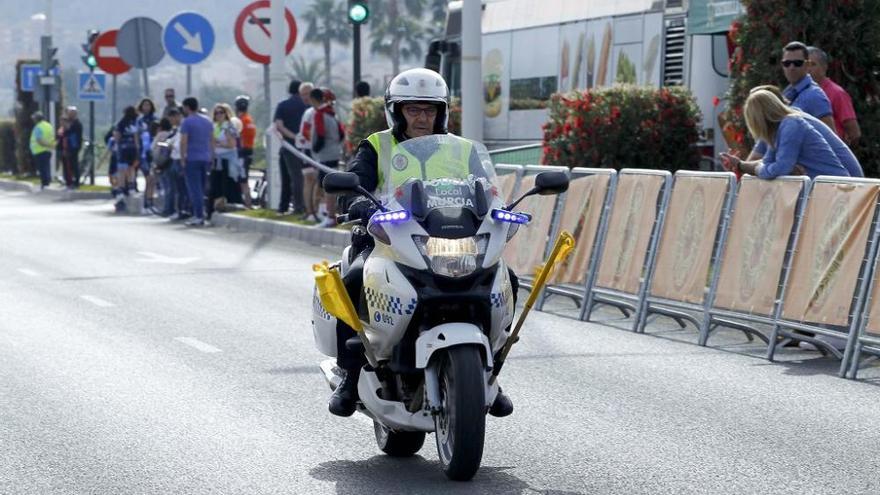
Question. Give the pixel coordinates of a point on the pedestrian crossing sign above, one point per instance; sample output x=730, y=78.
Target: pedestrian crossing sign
x=92, y=86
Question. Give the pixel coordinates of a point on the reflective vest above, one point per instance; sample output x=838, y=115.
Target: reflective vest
x=451, y=160
x=45, y=130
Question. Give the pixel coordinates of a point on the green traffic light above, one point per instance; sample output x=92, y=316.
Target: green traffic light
x=358, y=13
x=91, y=61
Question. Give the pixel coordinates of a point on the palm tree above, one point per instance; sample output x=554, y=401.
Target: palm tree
x=398, y=30
x=327, y=23
x=308, y=70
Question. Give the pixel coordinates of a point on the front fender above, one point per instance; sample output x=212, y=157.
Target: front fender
x=449, y=335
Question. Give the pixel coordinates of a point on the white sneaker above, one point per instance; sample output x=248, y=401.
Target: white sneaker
x=327, y=223
x=195, y=222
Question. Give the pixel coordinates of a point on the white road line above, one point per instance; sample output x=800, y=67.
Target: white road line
x=97, y=301
x=198, y=344
x=29, y=272
x=203, y=232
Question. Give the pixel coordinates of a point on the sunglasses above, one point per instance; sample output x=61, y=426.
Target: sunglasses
x=796, y=63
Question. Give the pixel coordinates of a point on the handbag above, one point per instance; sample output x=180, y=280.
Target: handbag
x=162, y=153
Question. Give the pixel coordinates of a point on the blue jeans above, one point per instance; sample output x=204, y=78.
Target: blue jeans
x=168, y=180
x=44, y=167
x=195, y=172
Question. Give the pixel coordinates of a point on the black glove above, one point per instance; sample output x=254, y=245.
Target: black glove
x=361, y=209
x=319, y=145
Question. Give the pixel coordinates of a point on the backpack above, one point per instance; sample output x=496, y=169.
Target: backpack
x=162, y=154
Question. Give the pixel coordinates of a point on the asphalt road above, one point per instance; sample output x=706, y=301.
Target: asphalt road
x=138, y=356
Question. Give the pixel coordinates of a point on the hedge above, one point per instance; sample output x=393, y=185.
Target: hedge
x=368, y=116
x=623, y=126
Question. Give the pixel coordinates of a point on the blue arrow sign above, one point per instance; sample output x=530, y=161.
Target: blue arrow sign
x=30, y=76
x=189, y=38
x=92, y=86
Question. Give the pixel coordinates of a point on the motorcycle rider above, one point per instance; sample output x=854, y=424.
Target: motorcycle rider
x=416, y=105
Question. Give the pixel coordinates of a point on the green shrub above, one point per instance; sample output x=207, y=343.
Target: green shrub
x=623, y=126
x=853, y=46
x=7, y=146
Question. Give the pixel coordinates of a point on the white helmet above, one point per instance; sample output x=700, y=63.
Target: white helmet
x=417, y=85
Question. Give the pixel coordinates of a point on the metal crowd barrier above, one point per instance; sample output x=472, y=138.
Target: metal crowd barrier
x=829, y=277
x=531, y=245
x=519, y=155
x=755, y=257
x=630, y=241
x=508, y=180
x=867, y=338
x=693, y=236
x=585, y=215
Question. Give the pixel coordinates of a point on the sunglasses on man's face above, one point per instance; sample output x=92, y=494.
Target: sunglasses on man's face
x=796, y=63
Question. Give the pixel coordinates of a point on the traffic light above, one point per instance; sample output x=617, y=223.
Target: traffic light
x=358, y=11
x=88, y=47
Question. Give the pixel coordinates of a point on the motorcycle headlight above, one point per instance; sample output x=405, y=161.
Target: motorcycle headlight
x=453, y=257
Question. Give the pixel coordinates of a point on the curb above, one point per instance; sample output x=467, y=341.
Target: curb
x=311, y=235
x=59, y=194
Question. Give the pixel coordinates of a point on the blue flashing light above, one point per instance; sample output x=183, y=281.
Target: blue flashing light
x=392, y=216
x=510, y=217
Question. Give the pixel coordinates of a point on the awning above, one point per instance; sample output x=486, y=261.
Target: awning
x=712, y=16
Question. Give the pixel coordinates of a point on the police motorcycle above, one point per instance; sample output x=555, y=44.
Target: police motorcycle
x=437, y=302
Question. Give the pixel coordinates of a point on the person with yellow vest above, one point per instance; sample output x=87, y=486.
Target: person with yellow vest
x=42, y=143
x=416, y=105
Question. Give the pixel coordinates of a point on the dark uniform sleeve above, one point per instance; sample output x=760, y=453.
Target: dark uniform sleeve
x=365, y=165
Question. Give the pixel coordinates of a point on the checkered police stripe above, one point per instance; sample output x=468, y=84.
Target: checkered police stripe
x=319, y=308
x=388, y=304
x=497, y=299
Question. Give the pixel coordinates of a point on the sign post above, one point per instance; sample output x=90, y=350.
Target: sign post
x=108, y=59
x=92, y=87
x=140, y=45
x=189, y=39
x=253, y=35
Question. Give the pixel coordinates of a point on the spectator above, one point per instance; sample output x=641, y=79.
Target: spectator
x=162, y=163
x=248, y=137
x=226, y=165
x=311, y=188
x=61, y=147
x=845, y=122
x=326, y=144
x=196, y=154
x=73, y=137
x=840, y=149
x=362, y=89
x=288, y=116
x=127, y=140
x=146, y=123
x=170, y=102
x=803, y=93
x=41, y=143
x=795, y=142
x=180, y=205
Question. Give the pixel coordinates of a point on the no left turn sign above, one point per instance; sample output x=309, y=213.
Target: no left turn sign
x=253, y=31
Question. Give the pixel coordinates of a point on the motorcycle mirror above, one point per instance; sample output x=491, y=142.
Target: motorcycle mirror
x=341, y=182
x=551, y=183
x=546, y=183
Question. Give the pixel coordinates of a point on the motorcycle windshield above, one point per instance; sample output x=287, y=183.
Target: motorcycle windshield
x=436, y=160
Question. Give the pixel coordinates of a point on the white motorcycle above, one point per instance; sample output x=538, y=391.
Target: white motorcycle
x=437, y=302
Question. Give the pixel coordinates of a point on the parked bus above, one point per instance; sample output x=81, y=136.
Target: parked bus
x=534, y=48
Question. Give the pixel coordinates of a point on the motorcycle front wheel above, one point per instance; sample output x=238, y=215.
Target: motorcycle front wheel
x=461, y=424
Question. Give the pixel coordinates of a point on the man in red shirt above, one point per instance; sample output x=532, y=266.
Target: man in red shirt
x=248, y=136
x=845, y=122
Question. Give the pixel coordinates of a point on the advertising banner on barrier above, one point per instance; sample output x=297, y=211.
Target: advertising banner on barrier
x=506, y=184
x=526, y=250
x=581, y=215
x=689, y=230
x=629, y=232
x=829, y=253
x=756, y=244
x=873, y=325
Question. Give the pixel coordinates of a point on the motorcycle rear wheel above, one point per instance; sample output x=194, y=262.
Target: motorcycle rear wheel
x=461, y=425
x=398, y=443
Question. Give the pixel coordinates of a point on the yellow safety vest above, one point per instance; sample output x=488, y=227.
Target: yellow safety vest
x=450, y=161
x=45, y=129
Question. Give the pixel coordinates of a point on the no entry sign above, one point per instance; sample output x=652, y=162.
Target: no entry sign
x=107, y=55
x=254, y=32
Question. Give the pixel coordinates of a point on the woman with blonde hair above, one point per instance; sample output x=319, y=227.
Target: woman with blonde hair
x=225, y=165
x=793, y=141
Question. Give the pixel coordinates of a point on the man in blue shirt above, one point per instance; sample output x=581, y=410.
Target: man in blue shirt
x=803, y=93
x=288, y=116
x=196, y=154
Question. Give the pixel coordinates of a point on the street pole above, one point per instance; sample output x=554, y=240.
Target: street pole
x=91, y=143
x=142, y=44
x=113, y=103
x=471, y=71
x=278, y=83
x=189, y=81
x=356, y=45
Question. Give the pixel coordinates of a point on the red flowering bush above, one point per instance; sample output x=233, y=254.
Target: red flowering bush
x=368, y=116
x=623, y=126
x=848, y=30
